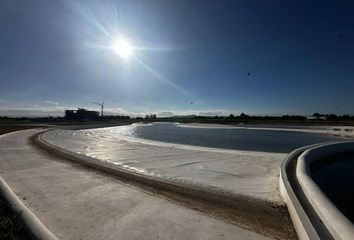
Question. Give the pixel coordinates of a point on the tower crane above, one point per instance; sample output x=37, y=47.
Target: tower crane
x=101, y=105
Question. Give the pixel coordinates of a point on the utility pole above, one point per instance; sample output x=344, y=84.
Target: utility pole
x=101, y=105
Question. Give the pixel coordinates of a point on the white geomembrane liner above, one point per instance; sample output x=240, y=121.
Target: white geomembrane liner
x=247, y=173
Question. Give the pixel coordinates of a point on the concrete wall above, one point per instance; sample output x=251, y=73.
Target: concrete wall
x=337, y=224
x=312, y=213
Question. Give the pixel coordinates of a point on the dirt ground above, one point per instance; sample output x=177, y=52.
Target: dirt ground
x=10, y=225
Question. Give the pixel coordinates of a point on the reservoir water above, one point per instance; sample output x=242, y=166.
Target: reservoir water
x=226, y=137
x=335, y=176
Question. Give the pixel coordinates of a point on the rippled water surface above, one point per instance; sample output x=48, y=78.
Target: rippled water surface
x=240, y=139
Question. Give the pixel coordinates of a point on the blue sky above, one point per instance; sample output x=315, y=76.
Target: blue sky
x=56, y=55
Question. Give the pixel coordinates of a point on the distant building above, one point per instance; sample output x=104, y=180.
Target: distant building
x=81, y=114
x=316, y=118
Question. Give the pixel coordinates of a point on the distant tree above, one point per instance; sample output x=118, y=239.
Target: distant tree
x=231, y=116
x=316, y=115
x=293, y=117
x=243, y=116
x=345, y=117
x=151, y=116
x=332, y=117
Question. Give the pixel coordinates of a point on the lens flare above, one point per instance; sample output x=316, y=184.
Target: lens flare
x=123, y=48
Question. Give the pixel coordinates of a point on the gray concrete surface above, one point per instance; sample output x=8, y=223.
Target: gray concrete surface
x=291, y=196
x=75, y=203
x=249, y=173
x=334, y=220
x=313, y=214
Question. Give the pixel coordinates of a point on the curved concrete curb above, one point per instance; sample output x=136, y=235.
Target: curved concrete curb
x=33, y=225
x=306, y=218
x=338, y=225
x=287, y=181
x=261, y=210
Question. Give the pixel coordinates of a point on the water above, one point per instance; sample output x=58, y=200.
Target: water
x=336, y=179
x=240, y=139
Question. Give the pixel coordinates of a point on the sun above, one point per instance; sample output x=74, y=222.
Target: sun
x=123, y=48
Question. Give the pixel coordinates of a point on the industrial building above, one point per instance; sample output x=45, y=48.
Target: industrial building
x=81, y=114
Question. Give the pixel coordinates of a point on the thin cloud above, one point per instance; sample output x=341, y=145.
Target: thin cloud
x=51, y=103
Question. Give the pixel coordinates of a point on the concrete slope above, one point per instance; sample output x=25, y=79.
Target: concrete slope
x=76, y=203
x=249, y=173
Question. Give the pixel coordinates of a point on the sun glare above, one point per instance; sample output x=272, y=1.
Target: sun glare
x=123, y=48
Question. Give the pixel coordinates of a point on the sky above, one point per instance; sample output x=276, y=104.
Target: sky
x=189, y=57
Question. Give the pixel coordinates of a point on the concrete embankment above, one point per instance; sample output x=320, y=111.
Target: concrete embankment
x=267, y=217
x=77, y=202
x=313, y=213
x=246, y=173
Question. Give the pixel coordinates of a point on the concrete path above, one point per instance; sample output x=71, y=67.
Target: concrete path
x=75, y=203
